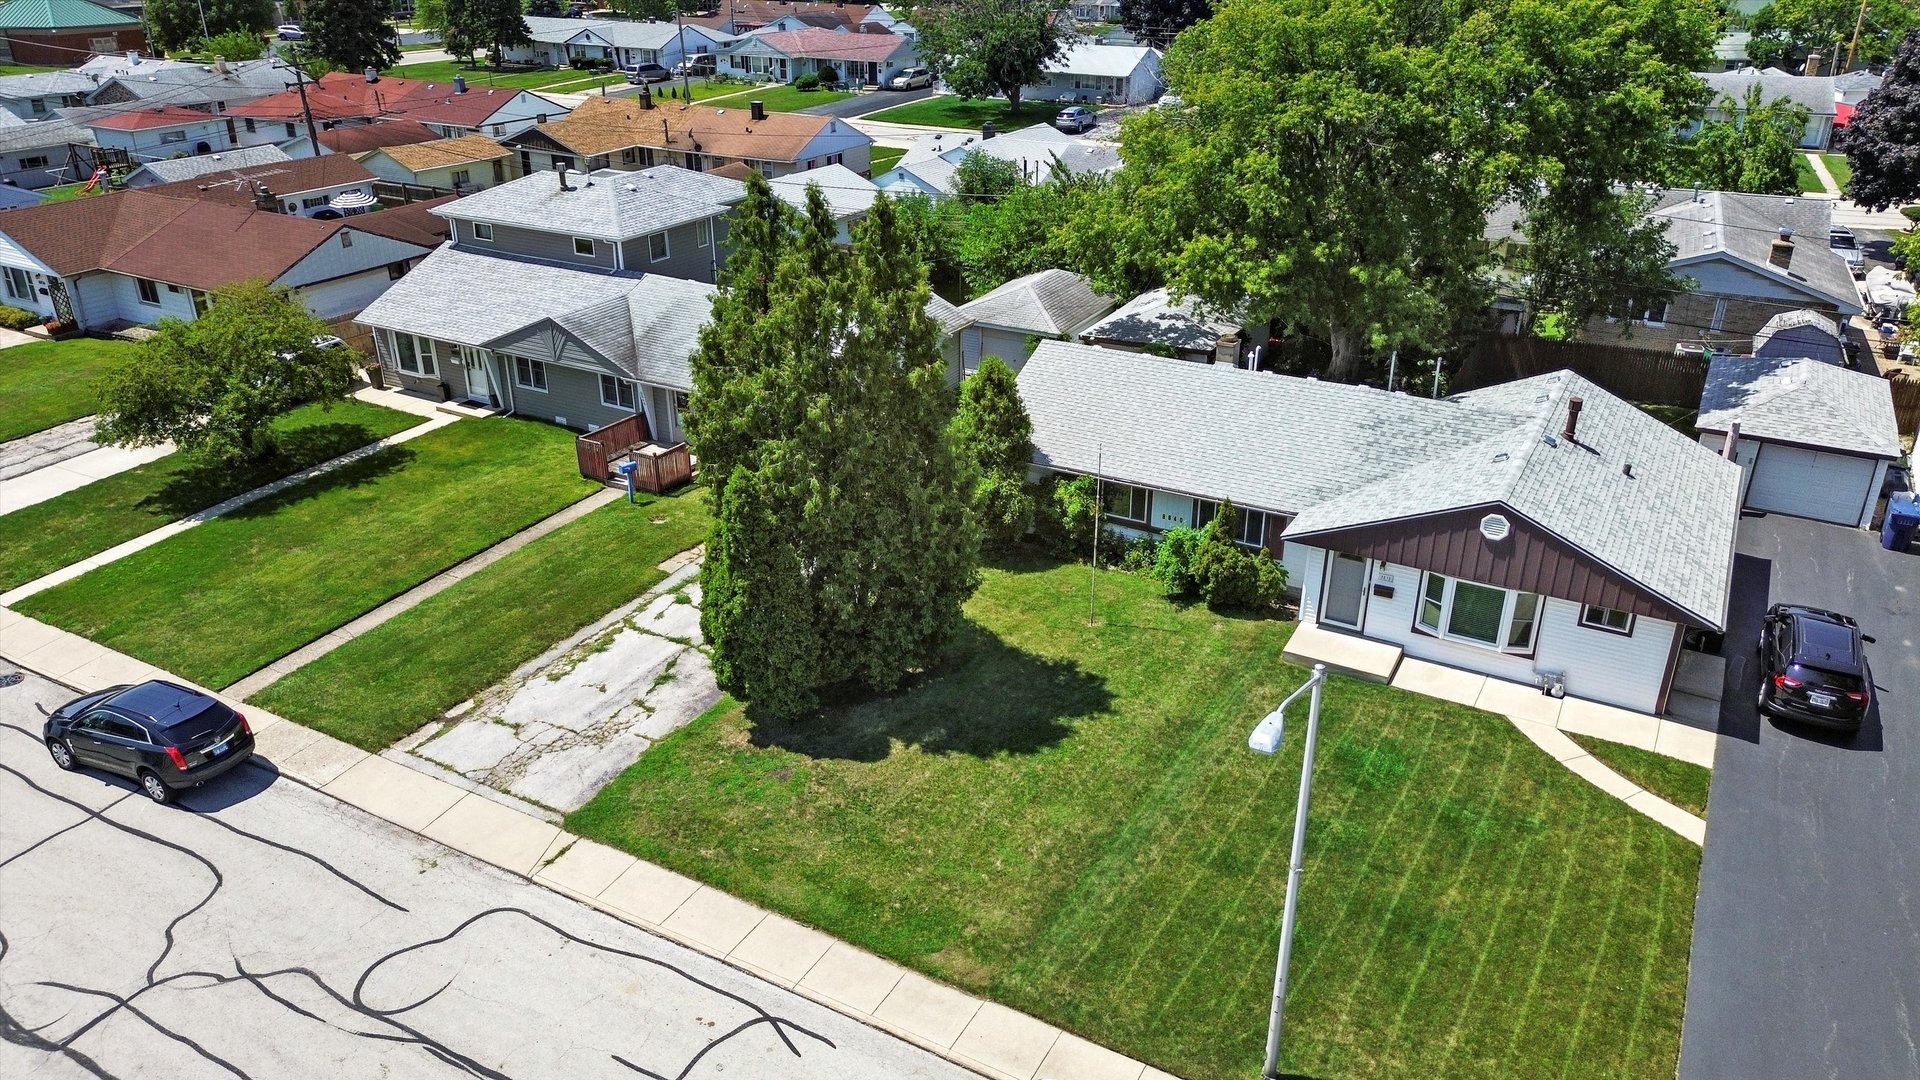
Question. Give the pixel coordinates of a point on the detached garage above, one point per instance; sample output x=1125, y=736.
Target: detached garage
x=1813, y=438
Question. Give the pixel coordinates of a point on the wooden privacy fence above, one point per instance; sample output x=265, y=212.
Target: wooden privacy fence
x=597, y=448
x=1643, y=375
x=1906, y=404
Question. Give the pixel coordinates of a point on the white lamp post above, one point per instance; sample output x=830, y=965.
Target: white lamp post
x=1266, y=740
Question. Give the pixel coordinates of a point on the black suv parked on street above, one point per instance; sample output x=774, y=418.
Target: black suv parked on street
x=1813, y=667
x=162, y=735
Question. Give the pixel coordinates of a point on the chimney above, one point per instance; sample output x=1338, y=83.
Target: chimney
x=1732, y=443
x=1813, y=64
x=459, y=84
x=133, y=56
x=1780, y=254
x=220, y=64
x=561, y=168
x=759, y=109
x=646, y=97
x=1574, y=405
x=987, y=131
x=264, y=199
x=373, y=76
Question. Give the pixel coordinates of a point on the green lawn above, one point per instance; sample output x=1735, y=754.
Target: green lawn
x=1676, y=417
x=233, y=595
x=443, y=71
x=44, y=537
x=405, y=673
x=45, y=383
x=1804, y=175
x=780, y=97
x=24, y=69
x=1067, y=819
x=948, y=110
x=1681, y=783
x=1837, y=165
x=885, y=157
x=69, y=192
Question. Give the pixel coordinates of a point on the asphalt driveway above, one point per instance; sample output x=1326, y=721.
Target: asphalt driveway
x=265, y=930
x=1806, y=946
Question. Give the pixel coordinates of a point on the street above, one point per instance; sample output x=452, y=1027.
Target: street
x=1806, y=947
x=264, y=930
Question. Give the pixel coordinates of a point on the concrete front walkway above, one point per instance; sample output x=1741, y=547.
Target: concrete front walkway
x=1819, y=166
x=988, y=1038
x=439, y=583
x=73, y=473
x=147, y=540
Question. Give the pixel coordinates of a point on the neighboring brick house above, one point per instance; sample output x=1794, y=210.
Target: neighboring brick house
x=62, y=33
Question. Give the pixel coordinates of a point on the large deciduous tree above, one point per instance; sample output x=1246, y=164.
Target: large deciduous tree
x=1334, y=161
x=1157, y=22
x=214, y=386
x=1883, y=142
x=987, y=47
x=1751, y=150
x=493, y=25
x=844, y=542
x=350, y=34
x=176, y=24
x=1786, y=32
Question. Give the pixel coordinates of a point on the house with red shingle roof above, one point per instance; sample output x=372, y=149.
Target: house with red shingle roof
x=340, y=99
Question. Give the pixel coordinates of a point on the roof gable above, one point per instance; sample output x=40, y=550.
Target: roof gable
x=1048, y=302
x=1801, y=401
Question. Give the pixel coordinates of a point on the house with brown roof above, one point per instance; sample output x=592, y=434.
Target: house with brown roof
x=744, y=16
x=834, y=55
x=341, y=99
x=134, y=257
x=360, y=139
x=303, y=187
x=469, y=163
x=637, y=133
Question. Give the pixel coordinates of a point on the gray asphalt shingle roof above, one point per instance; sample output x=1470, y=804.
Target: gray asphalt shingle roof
x=846, y=191
x=44, y=84
x=1153, y=318
x=1743, y=227
x=606, y=205
x=1815, y=92
x=1801, y=401
x=1048, y=302
x=1341, y=456
x=43, y=133
x=169, y=170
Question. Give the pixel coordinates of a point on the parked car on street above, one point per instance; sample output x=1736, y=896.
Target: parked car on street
x=914, y=78
x=1076, y=119
x=1841, y=239
x=696, y=65
x=290, y=32
x=161, y=735
x=648, y=73
x=1813, y=667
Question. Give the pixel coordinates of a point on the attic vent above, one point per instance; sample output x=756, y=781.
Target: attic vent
x=1495, y=527
x=1500, y=457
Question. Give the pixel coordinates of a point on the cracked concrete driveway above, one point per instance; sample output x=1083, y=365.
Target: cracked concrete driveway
x=264, y=930
x=570, y=721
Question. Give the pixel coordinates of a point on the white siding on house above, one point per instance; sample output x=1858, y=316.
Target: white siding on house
x=345, y=295
x=121, y=300
x=1008, y=345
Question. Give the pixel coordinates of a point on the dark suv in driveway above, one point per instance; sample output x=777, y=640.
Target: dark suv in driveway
x=1813, y=667
x=162, y=735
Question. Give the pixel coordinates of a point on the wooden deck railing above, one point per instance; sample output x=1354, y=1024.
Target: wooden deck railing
x=662, y=468
x=599, y=447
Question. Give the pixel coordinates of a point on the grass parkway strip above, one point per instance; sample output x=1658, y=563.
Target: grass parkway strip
x=51, y=382
x=1681, y=783
x=410, y=670
x=1065, y=818
x=225, y=599
x=39, y=539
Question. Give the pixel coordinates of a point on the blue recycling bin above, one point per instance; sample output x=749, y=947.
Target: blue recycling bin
x=1902, y=523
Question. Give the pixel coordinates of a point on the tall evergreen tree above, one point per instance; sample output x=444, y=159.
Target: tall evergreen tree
x=1883, y=142
x=350, y=34
x=493, y=25
x=993, y=437
x=843, y=543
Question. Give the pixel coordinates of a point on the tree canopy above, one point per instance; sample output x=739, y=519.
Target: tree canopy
x=987, y=47
x=993, y=437
x=1752, y=149
x=176, y=24
x=1787, y=31
x=1158, y=21
x=213, y=386
x=350, y=34
x=492, y=25
x=1883, y=141
x=844, y=542
x=1334, y=161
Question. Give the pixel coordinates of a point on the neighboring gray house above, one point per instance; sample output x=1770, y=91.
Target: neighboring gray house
x=214, y=87
x=1095, y=72
x=1154, y=323
x=1794, y=335
x=170, y=170
x=663, y=220
x=1853, y=87
x=847, y=192
x=625, y=42
x=1814, y=439
x=34, y=155
x=1543, y=531
x=576, y=346
x=928, y=166
x=1048, y=304
x=37, y=95
x=1814, y=92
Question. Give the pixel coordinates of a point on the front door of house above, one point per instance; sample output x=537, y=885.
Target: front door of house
x=1345, y=595
x=479, y=377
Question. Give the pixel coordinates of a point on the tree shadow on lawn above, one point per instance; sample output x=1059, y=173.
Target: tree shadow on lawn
x=366, y=470
x=200, y=485
x=986, y=698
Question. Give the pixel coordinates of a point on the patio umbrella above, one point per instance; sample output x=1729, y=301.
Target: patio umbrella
x=352, y=200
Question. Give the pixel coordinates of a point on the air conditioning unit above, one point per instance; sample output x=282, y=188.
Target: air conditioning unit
x=1692, y=349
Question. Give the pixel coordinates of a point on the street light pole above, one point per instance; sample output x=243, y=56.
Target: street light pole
x=1266, y=740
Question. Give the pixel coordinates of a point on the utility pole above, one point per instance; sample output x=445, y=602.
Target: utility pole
x=686, y=62
x=300, y=83
x=1858, y=22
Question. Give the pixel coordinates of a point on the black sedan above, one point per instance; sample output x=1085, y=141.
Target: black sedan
x=1813, y=667
x=159, y=734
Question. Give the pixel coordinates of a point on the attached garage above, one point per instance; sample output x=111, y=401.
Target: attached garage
x=1814, y=438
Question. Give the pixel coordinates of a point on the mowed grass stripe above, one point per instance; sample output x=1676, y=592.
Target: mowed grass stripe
x=1648, y=956
x=1599, y=958
x=1453, y=1041
x=1542, y=951
x=222, y=600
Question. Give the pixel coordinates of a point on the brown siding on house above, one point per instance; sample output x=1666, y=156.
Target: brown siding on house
x=65, y=48
x=1529, y=559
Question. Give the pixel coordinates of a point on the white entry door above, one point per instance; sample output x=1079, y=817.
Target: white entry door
x=479, y=377
x=1344, y=598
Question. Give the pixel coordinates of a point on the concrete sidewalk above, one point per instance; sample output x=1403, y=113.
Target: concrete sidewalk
x=73, y=473
x=988, y=1038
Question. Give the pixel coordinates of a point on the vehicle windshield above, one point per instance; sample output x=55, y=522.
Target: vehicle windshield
x=1842, y=681
x=1842, y=242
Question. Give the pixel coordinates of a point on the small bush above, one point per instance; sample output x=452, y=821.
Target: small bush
x=1173, y=562
x=1065, y=510
x=1231, y=577
x=1005, y=505
x=829, y=74
x=807, y=82
x=580, y=63
x=14, y=318
x=1138, y=555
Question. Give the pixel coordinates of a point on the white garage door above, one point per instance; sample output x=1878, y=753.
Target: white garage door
x=1808, y=483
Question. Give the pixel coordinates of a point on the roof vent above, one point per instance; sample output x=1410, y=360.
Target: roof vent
x=1627, y=471
x=1495, y=527
x=1500, y=457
